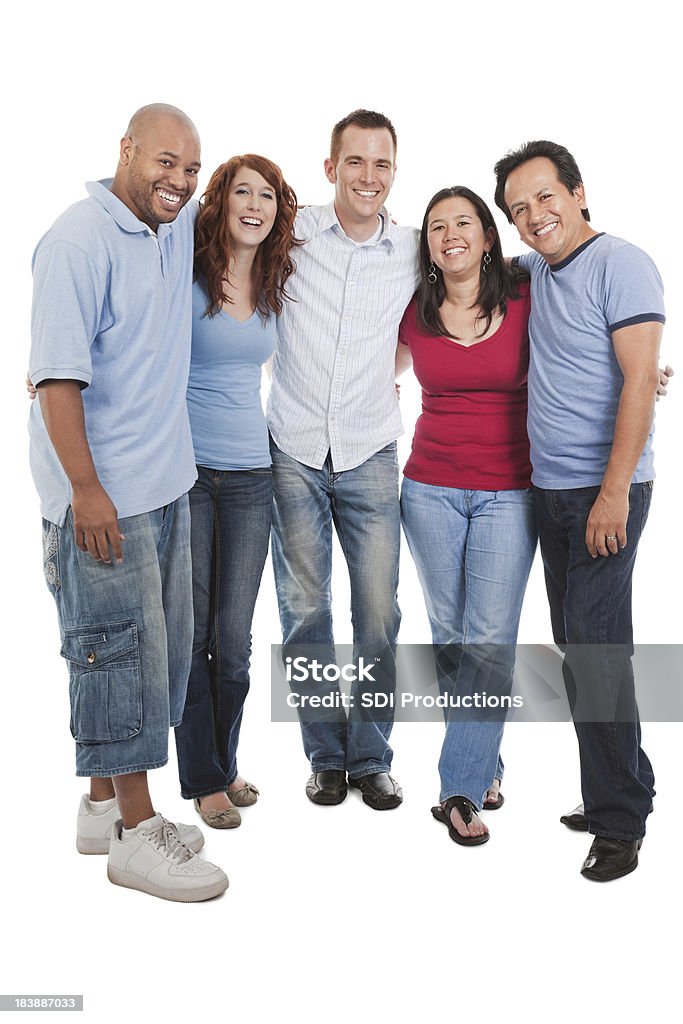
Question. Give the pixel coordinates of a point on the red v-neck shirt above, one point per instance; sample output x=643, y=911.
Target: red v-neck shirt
x=472, y=431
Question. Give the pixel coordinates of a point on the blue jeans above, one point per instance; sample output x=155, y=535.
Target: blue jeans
x=473, y=552
x=126, y=635
x=590, y=608
x=362, y=504
x=231, y=516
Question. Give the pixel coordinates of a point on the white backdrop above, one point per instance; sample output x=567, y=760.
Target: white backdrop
x=341, y=911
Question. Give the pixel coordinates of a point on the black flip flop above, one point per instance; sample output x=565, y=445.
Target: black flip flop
x=466, y=809
x=500, y=800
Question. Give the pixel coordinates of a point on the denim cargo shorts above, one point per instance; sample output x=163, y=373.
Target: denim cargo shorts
x=126, y=634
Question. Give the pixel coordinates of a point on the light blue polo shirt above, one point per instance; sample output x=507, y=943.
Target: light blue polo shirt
x=112, y=310
x=574, y=378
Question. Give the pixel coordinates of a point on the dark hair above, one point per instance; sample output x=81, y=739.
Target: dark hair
x=567, y=169
x=273, y=263
x=361, y=119
x=495, y=286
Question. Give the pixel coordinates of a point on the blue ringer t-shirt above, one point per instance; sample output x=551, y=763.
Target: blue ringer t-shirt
x=574, y=378
x=111, y=309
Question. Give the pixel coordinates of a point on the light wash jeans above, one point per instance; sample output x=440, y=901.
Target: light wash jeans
x=362, y=505
x=473, y=552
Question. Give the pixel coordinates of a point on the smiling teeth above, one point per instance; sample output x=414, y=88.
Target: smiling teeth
x=251, y=220
x=365, y=193
x=455, y=252
x=168, y=196
x=545, y=229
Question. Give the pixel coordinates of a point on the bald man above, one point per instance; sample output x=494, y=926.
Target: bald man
x=112, y=459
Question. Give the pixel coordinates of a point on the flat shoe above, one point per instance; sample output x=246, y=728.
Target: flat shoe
x=245, y=796
x=466, y=809
x=228, y=818
x=379, y=791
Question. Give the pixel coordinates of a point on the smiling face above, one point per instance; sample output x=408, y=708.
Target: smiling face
x=456, y=237
x=252, y=208
x=546, y=214
x=362, y=173
x=157, y=172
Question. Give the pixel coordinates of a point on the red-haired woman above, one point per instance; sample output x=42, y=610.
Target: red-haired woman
x=243, y=242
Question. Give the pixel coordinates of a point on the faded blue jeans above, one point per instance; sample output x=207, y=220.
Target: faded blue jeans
x=590, y=609
x=362, y=506
x=231, y=515
x=473, y=552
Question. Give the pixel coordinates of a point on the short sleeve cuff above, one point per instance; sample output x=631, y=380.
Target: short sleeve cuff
x=641, y=318
x=82, y=377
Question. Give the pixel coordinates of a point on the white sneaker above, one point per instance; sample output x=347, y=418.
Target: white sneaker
x=96, y=817
x=154, y=859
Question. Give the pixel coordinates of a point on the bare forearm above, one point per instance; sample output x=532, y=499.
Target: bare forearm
x=632, y=426
x=62, y=409
x=606, y=525
x=636, y=348
x=94, y=515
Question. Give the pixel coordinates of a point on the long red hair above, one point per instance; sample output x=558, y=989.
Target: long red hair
x=273, y=263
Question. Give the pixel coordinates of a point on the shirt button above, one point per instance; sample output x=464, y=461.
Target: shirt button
x=91, y=657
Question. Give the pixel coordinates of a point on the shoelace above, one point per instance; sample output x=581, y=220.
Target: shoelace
x=167, y=837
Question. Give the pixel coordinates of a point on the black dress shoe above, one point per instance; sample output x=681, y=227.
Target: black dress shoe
x=610, y=858
x=380, y=791
x=578, y=821
x=327, y=787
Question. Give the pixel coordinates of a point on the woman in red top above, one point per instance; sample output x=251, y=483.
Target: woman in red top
x=466, y=501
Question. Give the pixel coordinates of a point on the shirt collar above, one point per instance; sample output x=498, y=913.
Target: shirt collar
x=328, y=219
x=118, y=211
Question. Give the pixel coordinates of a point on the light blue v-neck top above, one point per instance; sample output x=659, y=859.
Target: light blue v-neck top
x=224, y=391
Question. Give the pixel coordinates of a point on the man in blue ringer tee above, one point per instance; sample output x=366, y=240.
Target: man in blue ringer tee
x=112, y=459
x=595, y=329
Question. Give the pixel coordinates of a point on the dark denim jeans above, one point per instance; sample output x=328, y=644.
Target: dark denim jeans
x=590, y=608
x=230, y=528
x=362, y=505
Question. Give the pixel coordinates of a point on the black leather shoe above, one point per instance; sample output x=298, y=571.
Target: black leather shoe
x=328, y=787
x=610, y=858
x=380, y=791
x=578, y=821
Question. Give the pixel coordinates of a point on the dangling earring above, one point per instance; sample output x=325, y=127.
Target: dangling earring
x=431, y=276
x=486, y=262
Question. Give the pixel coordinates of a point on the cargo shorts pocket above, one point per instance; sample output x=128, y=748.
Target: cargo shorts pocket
x=105, y=687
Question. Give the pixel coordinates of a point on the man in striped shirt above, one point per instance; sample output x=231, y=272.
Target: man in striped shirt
x=334, y=419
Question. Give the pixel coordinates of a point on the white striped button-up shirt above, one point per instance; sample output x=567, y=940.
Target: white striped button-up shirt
x=333, y=371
